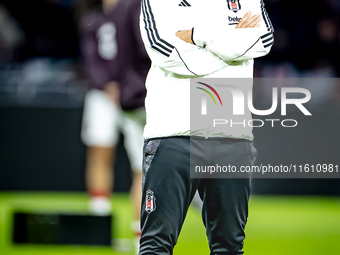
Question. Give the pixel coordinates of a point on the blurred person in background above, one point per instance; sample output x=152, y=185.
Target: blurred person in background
x=116, y=64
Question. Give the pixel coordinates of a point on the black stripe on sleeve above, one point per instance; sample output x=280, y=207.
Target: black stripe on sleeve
x=154, y=24
x=154, y=32
x=266, y=35
x=155, y=41
x=159, y=50
x=263, y=16
x=267, y=40
x=269, y=37
x=149, y=32
x=266, y=18
x=269, y=21
x=269, y=44
x=146, y=25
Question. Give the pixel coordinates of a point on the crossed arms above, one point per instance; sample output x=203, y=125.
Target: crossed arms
x=247, y=21
x=202, y=50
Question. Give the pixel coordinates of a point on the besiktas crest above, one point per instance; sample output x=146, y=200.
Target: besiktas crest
x=234, y=5
x=150, y=202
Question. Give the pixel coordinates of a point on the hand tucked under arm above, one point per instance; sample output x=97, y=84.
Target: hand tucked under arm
x=185, y=35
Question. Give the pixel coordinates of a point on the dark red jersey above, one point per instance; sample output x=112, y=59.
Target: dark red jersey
x=114, y=51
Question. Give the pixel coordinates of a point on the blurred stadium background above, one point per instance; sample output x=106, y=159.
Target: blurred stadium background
x=42, y=160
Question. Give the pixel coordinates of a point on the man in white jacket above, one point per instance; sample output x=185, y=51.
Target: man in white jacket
x=185, y=40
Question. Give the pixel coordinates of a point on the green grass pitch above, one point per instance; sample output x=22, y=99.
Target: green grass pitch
x=277, y=225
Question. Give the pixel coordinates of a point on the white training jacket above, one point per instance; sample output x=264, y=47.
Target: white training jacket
x=220, y=51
